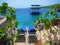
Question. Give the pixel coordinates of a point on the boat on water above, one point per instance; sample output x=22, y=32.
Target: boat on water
x=35, y=9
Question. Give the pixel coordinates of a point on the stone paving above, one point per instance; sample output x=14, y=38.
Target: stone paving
x=40, y=35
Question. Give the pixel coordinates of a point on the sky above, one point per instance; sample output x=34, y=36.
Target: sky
x=27, y=3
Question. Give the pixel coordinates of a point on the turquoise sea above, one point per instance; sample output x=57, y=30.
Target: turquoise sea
x=26, y=19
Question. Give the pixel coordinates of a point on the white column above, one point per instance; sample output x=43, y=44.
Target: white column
x=27, y=36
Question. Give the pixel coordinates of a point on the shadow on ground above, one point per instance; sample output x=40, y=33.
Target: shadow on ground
x=21, y=38
x=32, y=39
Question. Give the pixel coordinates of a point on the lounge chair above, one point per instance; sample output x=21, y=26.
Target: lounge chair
x=32, y=35
x=22, y=30
x=21, y=33
x=32, y=31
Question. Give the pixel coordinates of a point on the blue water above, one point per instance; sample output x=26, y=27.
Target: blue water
x=26, y=19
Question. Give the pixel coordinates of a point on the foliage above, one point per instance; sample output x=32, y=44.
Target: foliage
x=47, y=44
x=2, y=34
x=52, y=31
x=56, y=6
x=16, y=23
x=44, y=35
x=3, y=8
x=9, y=13
x=48, y=23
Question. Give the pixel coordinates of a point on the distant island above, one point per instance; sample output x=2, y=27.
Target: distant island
x=57, y=6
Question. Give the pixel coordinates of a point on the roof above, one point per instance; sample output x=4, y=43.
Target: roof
x=35, y=5
x=2, y=20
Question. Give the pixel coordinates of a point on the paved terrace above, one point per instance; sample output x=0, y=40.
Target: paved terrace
x=40, y=36
x=29, y=39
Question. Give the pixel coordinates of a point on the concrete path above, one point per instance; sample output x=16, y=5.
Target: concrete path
x=23, y=44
